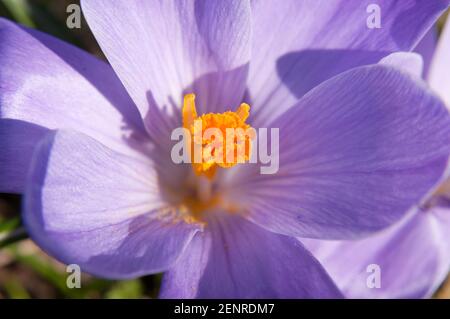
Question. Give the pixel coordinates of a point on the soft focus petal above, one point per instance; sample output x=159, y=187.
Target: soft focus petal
x=426, y=49
x=17, y=142
x=356, y=153
x=50, y=84
x=88, y=205
x=324, y=39
x=409, y=62
x=160, y=48
x=439, y=77
x=236, y=259
x=413, y=258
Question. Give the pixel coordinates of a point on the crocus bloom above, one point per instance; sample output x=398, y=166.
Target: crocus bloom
x=101, y=189
x=413, y=255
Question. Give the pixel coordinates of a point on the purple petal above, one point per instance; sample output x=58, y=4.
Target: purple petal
x=413, y=258
x=302, y=43
x=50, y=84
x=409, y=62
x=88, y=205
x=160, y=48
x=426, y=49
x=235, y=259
x=439, y=76
x=356, y=153
x=17, y=142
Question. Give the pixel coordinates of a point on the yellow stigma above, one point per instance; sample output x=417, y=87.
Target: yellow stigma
x=225, y=145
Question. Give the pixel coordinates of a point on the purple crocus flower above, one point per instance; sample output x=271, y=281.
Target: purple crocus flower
x=360, y=141
x=413, y=255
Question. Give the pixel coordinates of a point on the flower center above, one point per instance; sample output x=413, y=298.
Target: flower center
x=217, y=139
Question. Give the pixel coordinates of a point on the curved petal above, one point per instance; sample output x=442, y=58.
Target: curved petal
x=413, y=258
x=236, y=259
x=324, y=39
x=356, y=153
x=409, y=62
x=88, y=205
x=160, y=48
x=17, y=142
x=426, y=49
x=439, y=76
x=50, y=84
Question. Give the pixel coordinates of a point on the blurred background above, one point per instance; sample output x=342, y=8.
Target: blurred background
x=26, y=271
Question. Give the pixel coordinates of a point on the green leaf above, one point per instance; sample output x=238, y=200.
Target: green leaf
x=12, y=237
x=20, y=11
x=49, y=273
x=15, y=290
x=130, y=289
x=7, y=225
